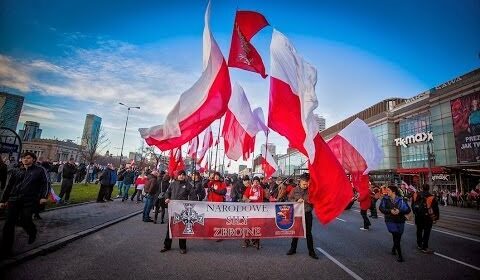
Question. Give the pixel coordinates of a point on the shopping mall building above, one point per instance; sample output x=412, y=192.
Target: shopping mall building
x=436, y=131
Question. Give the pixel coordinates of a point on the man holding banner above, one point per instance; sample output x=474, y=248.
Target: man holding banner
x=300, y=194
x=180, y=189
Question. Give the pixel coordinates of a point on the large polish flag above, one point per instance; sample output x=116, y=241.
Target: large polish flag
x=206, y=144
x=358, y=150
x=240, y=126
x=292, y=101
x=200, y=105
x=269, y=164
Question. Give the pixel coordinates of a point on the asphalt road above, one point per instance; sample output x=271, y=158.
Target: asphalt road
x=131, y=250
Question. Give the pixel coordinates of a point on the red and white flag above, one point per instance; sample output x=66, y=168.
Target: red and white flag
x=292, y=101
x=358, y=150
x=193, y=147
x=240, y=126
x=206, y=144
x=200, y=105
x=175, y=162
x=268, y=163
x=242, y=53
x=258, y=112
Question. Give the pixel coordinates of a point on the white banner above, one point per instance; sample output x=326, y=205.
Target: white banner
x=234, y=220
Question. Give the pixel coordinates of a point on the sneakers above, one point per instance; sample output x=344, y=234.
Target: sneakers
x=363, y=228
x=164, y=250
x=148, y=220
x=291, y=252
x=183, y=251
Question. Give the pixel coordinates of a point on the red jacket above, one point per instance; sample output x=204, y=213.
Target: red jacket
x=216, y=191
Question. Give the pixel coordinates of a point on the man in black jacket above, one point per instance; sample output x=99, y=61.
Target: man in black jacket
x=198, y=192
x=27, y=186
x=425, y=208
x=105, y=182
x=68, y=173
x=160, y=196
x=180, y=189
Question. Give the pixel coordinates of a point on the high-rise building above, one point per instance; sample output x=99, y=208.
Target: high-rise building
x=31, y=130
x=241, y=167
x=320, y=122
x=271, y=148
x=10, y=109
x=91, y=130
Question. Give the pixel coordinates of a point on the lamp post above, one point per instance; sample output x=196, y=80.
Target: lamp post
x=125, y=130
x=430, y=158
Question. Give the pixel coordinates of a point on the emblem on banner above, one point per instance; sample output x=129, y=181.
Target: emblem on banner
x=188, y=217
x=284, y=216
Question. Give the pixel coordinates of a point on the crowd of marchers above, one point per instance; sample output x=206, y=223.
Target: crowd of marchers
x=30, y=183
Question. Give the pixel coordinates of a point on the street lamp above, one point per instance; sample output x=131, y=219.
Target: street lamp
x=430, y=157
x=125, y=130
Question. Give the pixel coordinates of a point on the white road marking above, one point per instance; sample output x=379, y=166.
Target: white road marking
x=346, y=269
x=461, y=218
x=456, y=235
x=340, y=219
x=457, y=261
x=438, y=230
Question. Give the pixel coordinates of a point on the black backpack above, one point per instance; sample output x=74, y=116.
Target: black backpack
x=419, y=206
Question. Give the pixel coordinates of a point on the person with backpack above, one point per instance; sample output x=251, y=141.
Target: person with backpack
x=394, y=207
x=425, y=208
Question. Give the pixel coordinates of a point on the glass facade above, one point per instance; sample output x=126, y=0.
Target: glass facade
x=290, y=162
x=386, y=134
x=443, y=138
x=10, y=109
x=415, y=154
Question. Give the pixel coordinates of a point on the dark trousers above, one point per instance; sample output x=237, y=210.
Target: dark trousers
x=373, y=208
x=366, y=221
x=167, y=243
x=159, y=203
x=423, y=234
x=66, y=188
x=102, y=192
x=108, y=192
x=136, y=192
x=308, y=225
x=15, y=210
x=397, y=237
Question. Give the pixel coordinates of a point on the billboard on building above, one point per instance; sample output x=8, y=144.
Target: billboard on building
x=466, y=127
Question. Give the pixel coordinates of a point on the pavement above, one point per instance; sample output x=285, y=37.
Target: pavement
x=67, y=223
x=131, y=249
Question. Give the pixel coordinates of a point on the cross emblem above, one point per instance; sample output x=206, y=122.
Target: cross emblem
x=188, y=217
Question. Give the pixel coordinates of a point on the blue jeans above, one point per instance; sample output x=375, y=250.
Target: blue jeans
x=124, y=190
x=120, y=188
x=148, y=207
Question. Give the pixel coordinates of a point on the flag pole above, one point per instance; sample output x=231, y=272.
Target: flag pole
x=218, y=143
x=223, y=163
x=210, y=162
x=265, y=155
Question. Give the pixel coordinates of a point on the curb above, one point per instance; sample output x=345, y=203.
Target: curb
x=57, y=244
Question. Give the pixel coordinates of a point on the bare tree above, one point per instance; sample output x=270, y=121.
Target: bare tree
x=92, y=145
